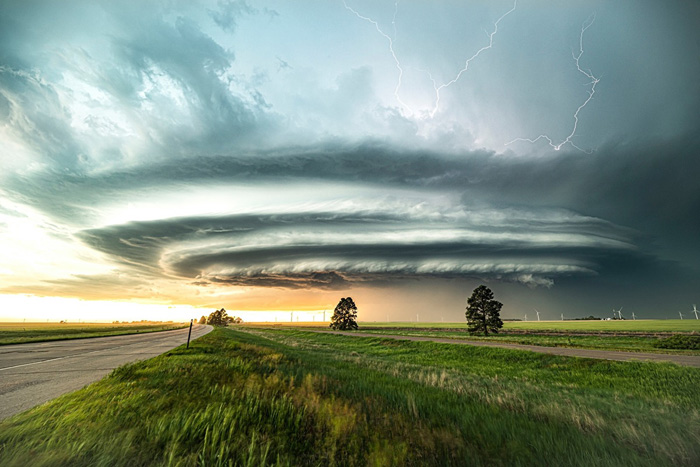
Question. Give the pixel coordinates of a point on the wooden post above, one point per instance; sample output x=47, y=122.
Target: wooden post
x=189, y=334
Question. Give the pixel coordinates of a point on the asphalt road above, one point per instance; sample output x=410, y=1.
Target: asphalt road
x=685, y=360
x=33, y=373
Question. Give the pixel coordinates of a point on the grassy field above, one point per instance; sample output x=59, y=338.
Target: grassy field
x=600, y=342
x=640, y=325
x=289, y=397
x=603, y=333
x=18, y=333
x=646, y=325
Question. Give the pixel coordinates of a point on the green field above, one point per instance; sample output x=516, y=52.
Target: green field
x=602, y=335
x=599, y=342
x=289, y=397
x=646, y=325
x=19, y=333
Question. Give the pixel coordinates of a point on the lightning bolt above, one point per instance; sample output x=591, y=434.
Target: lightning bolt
x=467, y=62
x=391, y=47
x=593, y=82
x=436, y=88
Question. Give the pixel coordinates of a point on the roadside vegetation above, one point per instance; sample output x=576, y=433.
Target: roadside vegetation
x=19, y=333
x=288, y=397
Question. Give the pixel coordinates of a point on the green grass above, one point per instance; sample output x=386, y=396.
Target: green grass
x=599, y=342
x=647, y=325
x=19, y=333
x=679, y=341
x=289, y=397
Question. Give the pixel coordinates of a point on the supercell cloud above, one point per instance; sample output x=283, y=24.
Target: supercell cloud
x=222, y=153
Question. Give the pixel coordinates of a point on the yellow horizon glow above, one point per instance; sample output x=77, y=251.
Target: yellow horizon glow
x=33, y=308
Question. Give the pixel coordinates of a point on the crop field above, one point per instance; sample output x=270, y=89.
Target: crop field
x=18, y=333
x=267, y=396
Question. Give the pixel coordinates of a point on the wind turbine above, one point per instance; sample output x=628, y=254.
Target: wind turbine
x=562, y=316
x=525, y=316
x=680, y=314
x=634, y=317
x=695, y=310
x=538, y=314
x=619, y=312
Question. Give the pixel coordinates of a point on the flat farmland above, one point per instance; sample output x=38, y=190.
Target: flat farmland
x=644, y=326
x=18, y=333
x=270, y=396
x=627, y=336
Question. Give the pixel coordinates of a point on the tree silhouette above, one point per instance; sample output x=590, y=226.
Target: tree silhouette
x=483, y=312
x=219, y=318
x=345, y=315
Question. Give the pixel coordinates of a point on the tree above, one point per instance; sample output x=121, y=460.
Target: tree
x=345, y=315
x=483, y=312
x=203, y=320
x=219, y=318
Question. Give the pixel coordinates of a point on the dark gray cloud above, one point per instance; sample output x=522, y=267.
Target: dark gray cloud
x=649, y=186
x=165, y=139
x=334, y=249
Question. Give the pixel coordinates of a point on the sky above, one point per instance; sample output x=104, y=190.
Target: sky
x=271, y=157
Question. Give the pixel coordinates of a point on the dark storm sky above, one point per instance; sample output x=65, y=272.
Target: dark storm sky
x=229, y=152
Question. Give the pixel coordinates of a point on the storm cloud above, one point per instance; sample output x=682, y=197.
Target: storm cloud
x=161, y=150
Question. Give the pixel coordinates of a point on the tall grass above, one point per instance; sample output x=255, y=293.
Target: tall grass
x=285, y=397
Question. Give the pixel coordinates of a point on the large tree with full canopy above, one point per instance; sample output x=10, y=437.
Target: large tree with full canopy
x=483, y=312
x=345, y=315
